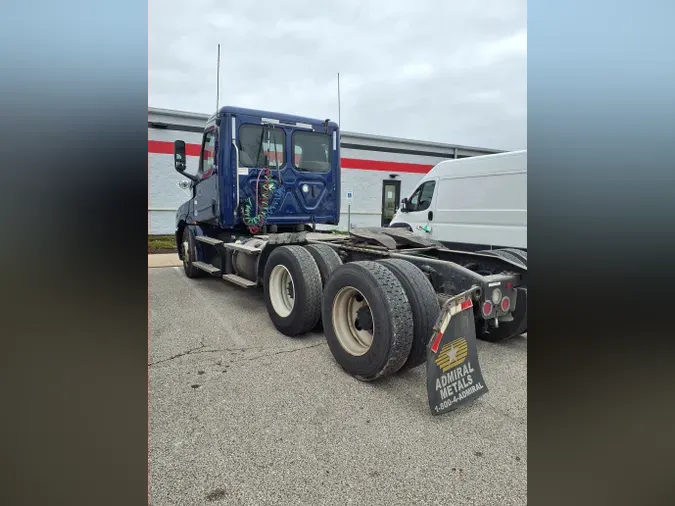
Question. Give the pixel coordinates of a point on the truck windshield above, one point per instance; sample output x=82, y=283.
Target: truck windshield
x=311, y=151
x=253, y=146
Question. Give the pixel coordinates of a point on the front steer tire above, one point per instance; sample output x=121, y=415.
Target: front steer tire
x=190, y=270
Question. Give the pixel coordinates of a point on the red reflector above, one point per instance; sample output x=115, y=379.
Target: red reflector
x=437, y=342
x=466, y=305
x=487, y=308
x=506, y=304
x=508, y=286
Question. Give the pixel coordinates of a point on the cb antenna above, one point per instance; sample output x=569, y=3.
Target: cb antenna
x=339, y=117
x=218, y=80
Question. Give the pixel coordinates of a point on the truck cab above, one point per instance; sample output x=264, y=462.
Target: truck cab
x=260, y=169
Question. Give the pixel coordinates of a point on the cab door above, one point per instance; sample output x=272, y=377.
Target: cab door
x=206, y=191
x=420, y=213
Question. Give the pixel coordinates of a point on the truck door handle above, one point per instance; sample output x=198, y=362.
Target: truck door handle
x=430, y=215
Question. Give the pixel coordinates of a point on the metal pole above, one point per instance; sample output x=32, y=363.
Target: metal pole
x=218, y=81
x=349, y=217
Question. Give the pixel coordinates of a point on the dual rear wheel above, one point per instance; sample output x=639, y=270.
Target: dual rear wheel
x=377, y=316
x=293, y=280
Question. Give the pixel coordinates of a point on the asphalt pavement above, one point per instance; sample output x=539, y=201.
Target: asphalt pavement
x=241, y=414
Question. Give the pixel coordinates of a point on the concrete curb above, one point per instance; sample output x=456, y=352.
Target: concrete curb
x=164, y=260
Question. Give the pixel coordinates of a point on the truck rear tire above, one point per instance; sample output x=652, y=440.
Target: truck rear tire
x=326, y=259
x=292, y=287
x=367, y=320
x=521, y=254
x=508, y=255
x=423, y=303
x=189, y=246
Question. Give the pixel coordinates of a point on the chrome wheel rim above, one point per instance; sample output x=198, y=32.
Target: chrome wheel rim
x=353, y=321
x=281, y=291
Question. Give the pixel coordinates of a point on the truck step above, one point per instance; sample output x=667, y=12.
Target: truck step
x=244, y=248
x=209, y=240
x=238, y=280
x=211, y=269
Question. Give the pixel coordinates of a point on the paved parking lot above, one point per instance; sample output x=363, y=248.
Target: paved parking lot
x=241, y=414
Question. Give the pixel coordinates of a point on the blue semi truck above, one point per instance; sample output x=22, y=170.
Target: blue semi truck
x=383, y=296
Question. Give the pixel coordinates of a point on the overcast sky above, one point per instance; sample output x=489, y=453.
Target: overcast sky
x=438, y=70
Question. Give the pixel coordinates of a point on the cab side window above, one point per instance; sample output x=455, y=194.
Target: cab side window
x=208, y=158
x=421, y=198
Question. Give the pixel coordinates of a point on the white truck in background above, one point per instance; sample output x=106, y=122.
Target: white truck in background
x=477, y=203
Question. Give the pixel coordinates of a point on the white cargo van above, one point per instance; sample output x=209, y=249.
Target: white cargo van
x=474, y=203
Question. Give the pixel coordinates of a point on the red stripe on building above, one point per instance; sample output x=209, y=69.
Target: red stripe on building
x=166, y=148
x=357, y=163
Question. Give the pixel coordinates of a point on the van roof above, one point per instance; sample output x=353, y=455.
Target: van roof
x=468, y=166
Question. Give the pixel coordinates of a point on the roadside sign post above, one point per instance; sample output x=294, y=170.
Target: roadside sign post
x=350, y=197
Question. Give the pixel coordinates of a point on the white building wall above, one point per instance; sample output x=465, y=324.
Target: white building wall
x=164, y=194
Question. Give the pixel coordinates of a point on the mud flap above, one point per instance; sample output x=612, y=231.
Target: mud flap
x=453, y=372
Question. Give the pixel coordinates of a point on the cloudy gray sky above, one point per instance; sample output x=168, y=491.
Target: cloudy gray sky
x=439, y=70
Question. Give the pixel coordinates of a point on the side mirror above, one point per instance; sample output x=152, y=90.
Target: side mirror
x=404, y=205
x=179, y=161
x=179, y=156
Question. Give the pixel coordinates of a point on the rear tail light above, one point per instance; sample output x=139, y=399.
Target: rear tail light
x=496, y=296
x=506, y=304
x=487, y=308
